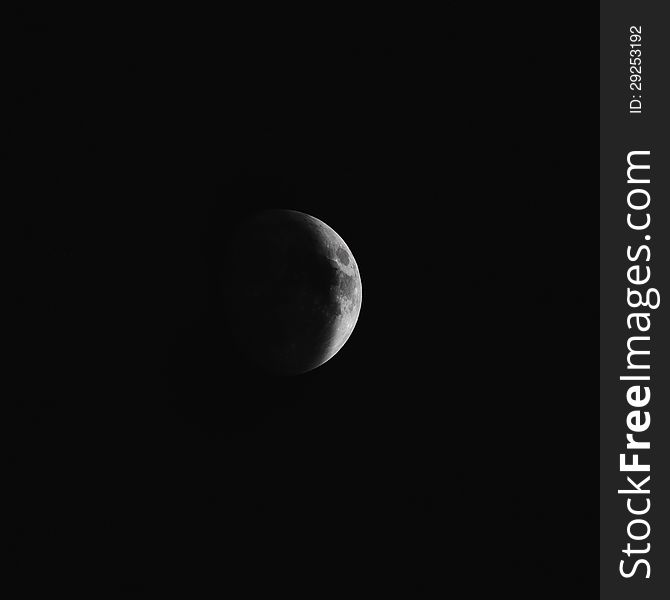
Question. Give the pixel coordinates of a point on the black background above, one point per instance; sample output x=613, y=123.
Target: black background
x=450, y=442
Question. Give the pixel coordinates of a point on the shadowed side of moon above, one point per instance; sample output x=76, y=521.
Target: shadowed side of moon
x=293, y=291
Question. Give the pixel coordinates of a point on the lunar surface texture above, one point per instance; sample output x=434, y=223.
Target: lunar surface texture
x=293, y=291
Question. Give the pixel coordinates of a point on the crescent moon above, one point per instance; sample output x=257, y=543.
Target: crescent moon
x=347, y=290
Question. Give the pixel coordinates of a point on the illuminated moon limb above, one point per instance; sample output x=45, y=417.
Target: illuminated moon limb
x=349, y=292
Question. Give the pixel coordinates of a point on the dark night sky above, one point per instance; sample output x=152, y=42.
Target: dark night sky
x=152, y=456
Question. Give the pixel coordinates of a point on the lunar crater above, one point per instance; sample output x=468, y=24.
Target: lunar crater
x=343, y=255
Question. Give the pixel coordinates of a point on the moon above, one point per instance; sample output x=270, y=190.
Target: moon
x=293, y=291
